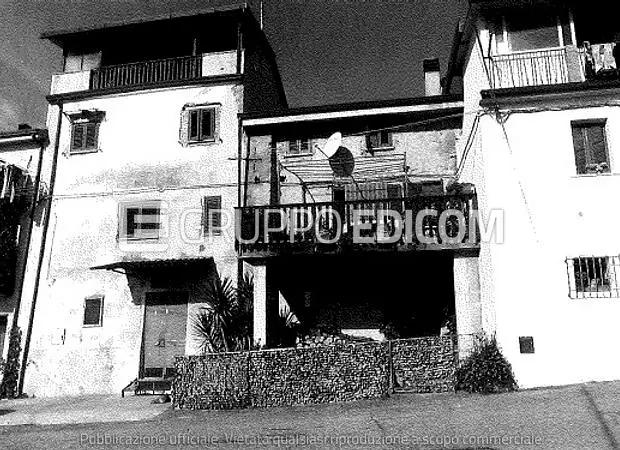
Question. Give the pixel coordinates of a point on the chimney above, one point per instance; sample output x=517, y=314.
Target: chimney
x=432, y=77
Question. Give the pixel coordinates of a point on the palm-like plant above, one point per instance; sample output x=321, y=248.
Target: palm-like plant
x=225, y=324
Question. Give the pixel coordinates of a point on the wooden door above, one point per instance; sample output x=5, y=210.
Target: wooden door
x=165, y=324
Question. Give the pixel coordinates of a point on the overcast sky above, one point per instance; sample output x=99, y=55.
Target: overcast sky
x=328, y=51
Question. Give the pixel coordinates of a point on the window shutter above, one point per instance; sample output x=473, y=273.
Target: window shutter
x=292, y=147
x=579, y=145
x=212, y=217
x=91, y=135
x=193, y=126
x=78, y=136
x=305, y=146
x=597, y=144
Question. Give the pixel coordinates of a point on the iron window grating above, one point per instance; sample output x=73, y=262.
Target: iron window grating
x=593, y=277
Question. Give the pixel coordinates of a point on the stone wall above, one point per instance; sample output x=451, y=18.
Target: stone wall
x=424, y=365
x=323, y=374
x=319, y=375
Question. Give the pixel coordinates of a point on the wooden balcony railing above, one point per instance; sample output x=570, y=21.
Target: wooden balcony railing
x=147, y=72
x=534, y=68
x=420, y=223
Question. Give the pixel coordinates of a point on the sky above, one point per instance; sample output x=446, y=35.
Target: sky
x=328, y=51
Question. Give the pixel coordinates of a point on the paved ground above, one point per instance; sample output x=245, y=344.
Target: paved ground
x=574, y=417
x=71, y=410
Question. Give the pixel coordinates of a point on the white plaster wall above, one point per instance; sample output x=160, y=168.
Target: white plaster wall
x=550, y=215
x=140, y=158
x=63, y=83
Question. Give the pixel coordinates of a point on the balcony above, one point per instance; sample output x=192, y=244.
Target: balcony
x=147, y=73
x=548, y=67
x=420, y=223
x=535, y=68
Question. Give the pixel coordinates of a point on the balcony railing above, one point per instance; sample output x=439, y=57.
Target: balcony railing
x=147, y=72
x=445, y=222
x=534, y=68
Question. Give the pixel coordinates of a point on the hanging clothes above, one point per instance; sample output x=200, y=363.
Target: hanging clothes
x=603, y=57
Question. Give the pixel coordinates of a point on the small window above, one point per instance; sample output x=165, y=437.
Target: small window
x=297, y=147
x=212, y=215
x=593, y=277
x=590, y=145
x=93, y=312
x=379, y=140
x=140, y=220
x=199, y=124
x=85, y=132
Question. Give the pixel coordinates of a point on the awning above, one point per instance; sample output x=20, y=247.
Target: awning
x=153, y=264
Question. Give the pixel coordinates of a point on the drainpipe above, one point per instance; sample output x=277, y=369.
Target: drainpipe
x=37, y=281
x=43, y=141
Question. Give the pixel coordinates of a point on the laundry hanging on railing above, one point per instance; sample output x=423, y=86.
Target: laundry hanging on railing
x=603, y=55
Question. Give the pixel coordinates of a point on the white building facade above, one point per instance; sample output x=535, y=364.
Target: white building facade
x=144, y=144
x=540, y=143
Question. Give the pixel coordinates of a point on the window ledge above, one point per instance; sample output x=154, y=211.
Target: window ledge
x=594, y=175
x=298, y=155
x=200, y=143
x=379, y=149
x=83, y=152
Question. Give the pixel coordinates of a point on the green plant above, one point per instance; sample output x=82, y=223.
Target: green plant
x=225, y=324
x=10, y=373
x=486, y=370
x=286, y=329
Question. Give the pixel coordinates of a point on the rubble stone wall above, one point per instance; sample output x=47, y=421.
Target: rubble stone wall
x=314, y=375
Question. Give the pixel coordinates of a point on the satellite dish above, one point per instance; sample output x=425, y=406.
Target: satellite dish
x=333, y=144
x=342, y=162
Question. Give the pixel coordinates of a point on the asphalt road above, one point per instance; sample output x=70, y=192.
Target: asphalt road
x=573, y=417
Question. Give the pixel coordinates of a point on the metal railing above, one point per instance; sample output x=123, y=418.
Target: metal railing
x=147, y=72
x=277, y=228
x=533, y=68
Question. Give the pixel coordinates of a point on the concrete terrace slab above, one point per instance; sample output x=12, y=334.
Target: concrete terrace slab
x=74, y=410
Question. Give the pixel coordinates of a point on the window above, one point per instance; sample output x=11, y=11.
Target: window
x=140, y=220
x=212, y=216
x=93, y=311
x=590, y=145
x=201, y=125
x=85, y=131
x=299, y=147
x=537, y=29
x=379, y=140
x=593, y=277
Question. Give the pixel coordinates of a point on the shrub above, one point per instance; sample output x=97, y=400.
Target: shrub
x=486, y=370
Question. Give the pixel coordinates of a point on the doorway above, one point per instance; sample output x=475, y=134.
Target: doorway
x=165, y=329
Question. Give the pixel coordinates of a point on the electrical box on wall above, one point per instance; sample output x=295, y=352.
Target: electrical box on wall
x=526, y=344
